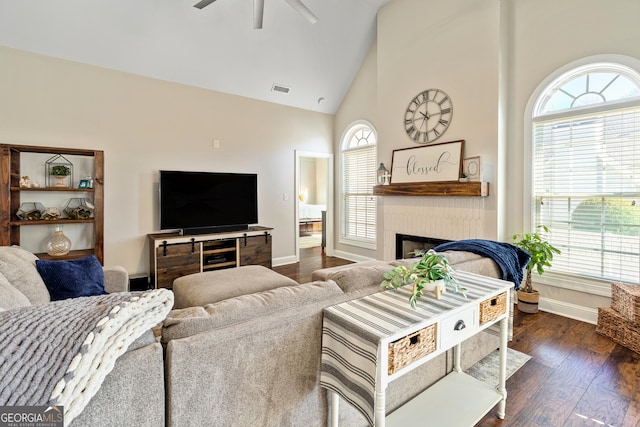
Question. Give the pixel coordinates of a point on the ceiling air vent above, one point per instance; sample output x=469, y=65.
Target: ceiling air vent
x=280, y=88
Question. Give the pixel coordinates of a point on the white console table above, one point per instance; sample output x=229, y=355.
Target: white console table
x=355, y=353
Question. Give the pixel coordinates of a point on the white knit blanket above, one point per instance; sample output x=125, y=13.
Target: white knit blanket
x=59, y=353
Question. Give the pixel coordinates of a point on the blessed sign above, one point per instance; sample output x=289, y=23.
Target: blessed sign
x=431, y=163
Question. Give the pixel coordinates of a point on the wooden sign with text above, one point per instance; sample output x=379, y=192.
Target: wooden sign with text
x=430, y=163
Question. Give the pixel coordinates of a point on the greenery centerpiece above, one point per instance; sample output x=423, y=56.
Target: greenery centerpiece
x=542, y=253
x=60, y=170
x=430, y=268
x=60, y=173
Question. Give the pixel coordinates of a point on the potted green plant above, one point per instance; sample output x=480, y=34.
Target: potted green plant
x=542, y=253
x=60, y=170
x=60, y=173
x=431, y=272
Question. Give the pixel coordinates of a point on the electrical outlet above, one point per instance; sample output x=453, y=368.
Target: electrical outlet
x=285, y=196
x=216, y=143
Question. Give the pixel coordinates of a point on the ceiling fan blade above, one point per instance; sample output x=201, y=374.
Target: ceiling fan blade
x=258, y=14
x=203, y=3
x=303, y=10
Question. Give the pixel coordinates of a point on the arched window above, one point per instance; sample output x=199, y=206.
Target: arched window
x=586, y=170
x=358, y=178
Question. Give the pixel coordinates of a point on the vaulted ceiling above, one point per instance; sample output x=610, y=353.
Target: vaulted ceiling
x=215, y=47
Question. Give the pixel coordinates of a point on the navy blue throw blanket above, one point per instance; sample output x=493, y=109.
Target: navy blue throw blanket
x=510, y=258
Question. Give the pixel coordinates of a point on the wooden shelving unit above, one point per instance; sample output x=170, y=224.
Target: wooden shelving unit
x=434, y=189
x=10, y=200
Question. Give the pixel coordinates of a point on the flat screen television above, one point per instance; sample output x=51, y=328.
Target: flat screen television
x=202, y=202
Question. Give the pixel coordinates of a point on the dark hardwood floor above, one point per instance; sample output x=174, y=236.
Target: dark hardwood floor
x=575, y=377
x=311, y=259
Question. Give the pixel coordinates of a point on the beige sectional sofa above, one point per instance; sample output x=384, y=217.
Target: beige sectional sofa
x=250, y=356
x=254, y=360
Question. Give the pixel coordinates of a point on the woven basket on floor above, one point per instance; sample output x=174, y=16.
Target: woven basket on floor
x=493, y=307
x=625, y=299
x=411, y=348
x=618, y=328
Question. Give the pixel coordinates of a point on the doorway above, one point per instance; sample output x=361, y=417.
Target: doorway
x=314, y=201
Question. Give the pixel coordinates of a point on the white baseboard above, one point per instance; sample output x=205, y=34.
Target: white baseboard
x=572, y=311
x=351, y=257
x=340, y=254
x=283, y=260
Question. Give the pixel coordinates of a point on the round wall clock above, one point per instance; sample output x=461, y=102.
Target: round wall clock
x=428, y=116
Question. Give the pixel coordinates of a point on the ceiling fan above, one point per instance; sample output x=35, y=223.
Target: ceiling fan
x=258, y=10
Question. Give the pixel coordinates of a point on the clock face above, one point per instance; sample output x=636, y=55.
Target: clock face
x=428, y=116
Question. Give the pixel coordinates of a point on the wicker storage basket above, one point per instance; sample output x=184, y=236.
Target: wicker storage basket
x=625, y=299
x=618, y=328
x=493, y=307
x=411, y=348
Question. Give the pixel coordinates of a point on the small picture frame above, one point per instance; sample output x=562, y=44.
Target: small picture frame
x=471, y=167
x=84, y=183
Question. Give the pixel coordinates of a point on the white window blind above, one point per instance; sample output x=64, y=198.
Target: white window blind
x=586, y=187
x=359, y=177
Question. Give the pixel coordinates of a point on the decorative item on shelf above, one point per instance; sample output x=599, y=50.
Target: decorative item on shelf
x=440, y=162
x=541, y=256
x=25, y=182
x=463, y=177
x=431, y=272
x=30, y=211
x=78, y=208
x=60, y=169
x=51, y=214
x=86, y=183
x=471, y=167
x=58, y=244
x=383, y=175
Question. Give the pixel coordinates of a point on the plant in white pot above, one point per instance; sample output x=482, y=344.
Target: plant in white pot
x=60, y=173
x=431, y=272
x=542, y=253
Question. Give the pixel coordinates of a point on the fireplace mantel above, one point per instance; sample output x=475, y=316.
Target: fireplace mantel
x=446, y=189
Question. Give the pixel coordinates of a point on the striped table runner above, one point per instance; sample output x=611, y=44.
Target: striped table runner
x=352, y=332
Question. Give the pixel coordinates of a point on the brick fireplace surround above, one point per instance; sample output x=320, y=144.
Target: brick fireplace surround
x=440, y=218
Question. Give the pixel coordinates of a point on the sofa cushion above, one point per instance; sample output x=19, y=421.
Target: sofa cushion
x=354, y=278
x=484, y=266
x=212, y=286
x=324, y=273
x=463, y=261
x=185, y=322
x=19, y=268
x=10, y=297
x=81, y=277
x=454, y=257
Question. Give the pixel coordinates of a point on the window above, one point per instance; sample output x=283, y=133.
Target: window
x=586, y=170
x=358, y=178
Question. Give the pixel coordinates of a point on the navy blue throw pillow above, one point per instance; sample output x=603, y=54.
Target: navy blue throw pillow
x=80, y=277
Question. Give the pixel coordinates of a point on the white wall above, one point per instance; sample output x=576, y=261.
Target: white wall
x=144, y=125
x=452, y=46
x=313, y=180
x=489, y=56
x=546, y=35
x=360, y=103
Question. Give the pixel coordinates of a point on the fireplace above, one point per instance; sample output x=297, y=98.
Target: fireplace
x=405, y=244
x=450, y=218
